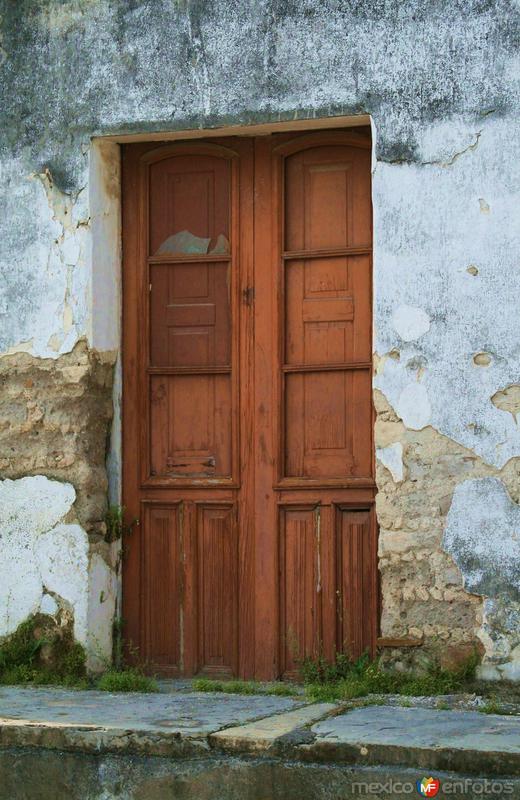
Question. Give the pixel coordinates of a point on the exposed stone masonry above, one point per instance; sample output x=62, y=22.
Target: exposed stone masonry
x=423, y=595
x=54, y=421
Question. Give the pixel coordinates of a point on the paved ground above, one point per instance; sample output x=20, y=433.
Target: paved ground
x=205, y=746
x=422, y=728
x=464, y=740
x=193, y=714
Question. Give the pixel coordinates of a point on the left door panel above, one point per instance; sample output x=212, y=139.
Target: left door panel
x=183, y=235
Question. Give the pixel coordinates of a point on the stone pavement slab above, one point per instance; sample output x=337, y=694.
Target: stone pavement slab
x=162, y=724
x=463, y=740
x=193, y=713
x=263, y=734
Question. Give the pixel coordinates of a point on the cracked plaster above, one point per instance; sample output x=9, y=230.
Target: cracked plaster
x=428, y=229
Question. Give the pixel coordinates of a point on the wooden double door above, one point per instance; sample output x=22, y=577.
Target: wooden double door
x=247, y=412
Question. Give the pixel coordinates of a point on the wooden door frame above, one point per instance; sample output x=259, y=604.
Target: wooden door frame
x=259, y=558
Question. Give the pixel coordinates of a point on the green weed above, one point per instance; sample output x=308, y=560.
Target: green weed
x=22, y=662
x=350, y=680
x=21, y=648
x=243, y=687
x=115, y=523
x=129, y=679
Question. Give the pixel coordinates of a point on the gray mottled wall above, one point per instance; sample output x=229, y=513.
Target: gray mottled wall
x=441, y=81
x=71, y=69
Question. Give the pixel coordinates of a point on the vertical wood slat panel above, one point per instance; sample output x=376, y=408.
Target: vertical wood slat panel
x=300, y=591
x=356, y=563
x=161, y=586
x=327, y=562
x=217, y=559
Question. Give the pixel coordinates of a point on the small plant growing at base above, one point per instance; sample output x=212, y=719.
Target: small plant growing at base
x=347, y=679
x=121, y=677
x=128, y=679
x=319, y=670
x=40, y=653
x=115, y=523
x=243, y=687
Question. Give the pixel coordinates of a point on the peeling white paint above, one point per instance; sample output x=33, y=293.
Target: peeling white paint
x=410, y=322
x=104, y=300
x=62, y=558
x=44, y=562
x=392, y=458
x=74, y=253
x=101, y=610
x=413, y=406
x=428, y=227
x=483, y=537
x=45, y=278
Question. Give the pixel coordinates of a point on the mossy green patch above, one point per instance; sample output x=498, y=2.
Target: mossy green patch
x=40, y=652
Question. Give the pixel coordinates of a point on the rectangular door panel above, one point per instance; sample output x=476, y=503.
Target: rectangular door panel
x=328, y=424
x=191, y=431
x=217, y=560
x=299, y=587
x=356, y=561
x=190, y=315
x=327, y=198
x=189, y=205
x=327, y=310
x=161, y=586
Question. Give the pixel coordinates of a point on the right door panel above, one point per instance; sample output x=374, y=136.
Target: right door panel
x=325, y=484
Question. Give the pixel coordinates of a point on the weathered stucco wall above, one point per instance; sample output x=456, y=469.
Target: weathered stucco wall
x=440, y=80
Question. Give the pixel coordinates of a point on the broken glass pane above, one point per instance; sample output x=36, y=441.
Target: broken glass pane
x=184, y=242
x=221, y=246
x=187, y=243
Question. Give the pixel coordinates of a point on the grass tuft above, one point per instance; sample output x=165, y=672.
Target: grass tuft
x=492, y=706
x=349, y=680
x=129, y=679
x=243, y=687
